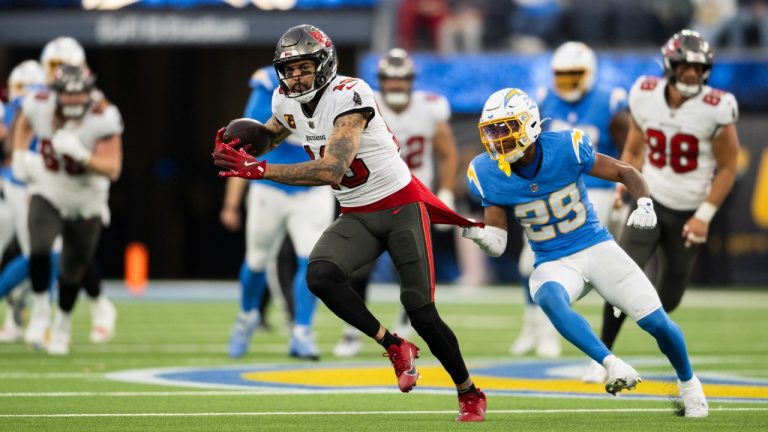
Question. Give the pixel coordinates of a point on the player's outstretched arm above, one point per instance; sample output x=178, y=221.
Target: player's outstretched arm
x=340, y=150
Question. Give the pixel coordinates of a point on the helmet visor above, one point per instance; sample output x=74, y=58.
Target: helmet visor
x=569, y=80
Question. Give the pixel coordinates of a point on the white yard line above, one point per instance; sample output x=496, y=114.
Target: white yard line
x=361, y=413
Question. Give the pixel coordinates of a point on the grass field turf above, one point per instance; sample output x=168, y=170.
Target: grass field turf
x=725, y=331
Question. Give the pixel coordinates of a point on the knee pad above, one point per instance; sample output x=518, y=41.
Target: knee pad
x=552, y=295
x=323, y=276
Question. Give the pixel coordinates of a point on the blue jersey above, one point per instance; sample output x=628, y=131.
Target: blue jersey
x=592, y=114
x=553, y=206
x=259, y=107
x=14, y=107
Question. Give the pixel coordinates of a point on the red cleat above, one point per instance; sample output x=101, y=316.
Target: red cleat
x=402, y=358
x=472, y=407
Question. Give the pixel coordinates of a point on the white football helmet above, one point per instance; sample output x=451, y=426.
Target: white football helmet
x=573, y=69
x=26, y=76
x=62, y=50
x=510, y=122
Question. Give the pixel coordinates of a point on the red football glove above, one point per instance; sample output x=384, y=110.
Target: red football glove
x=238, y=163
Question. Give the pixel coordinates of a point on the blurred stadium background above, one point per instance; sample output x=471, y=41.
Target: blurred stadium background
x=178, y=70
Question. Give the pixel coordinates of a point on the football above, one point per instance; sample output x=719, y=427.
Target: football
x=253, y=135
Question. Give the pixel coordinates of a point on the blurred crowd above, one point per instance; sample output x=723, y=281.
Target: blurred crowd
x=450, y=26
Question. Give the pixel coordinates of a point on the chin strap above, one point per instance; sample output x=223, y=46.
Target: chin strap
x=505, y=167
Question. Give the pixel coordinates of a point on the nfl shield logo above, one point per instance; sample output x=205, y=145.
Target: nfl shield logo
x=534, y=187
x=311, y=124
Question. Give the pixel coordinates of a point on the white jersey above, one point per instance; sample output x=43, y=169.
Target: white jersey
x=679, y=162
x=415, y=127
x=377, y=170
x=68, y=186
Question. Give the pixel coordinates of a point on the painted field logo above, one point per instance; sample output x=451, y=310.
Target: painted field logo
x=531, y=378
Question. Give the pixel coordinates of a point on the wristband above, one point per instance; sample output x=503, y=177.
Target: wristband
x=705, y=212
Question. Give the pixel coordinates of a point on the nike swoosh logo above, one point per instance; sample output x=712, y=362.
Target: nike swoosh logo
x=397, y=210
x=249, y=163
x=412, y=370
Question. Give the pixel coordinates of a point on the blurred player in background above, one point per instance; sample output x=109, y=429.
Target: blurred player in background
x=383, y=206
x=59, y=51
x=574, y=101
x=274, y=210
x=537, y=179
x=419, y=121
x=81, y=148
x=27, y=76
x=683, y=137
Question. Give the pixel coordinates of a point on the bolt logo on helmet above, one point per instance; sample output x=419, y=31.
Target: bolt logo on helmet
x=573, y=66
x=509, y=123
x=72, y=80
x=306, y=42
x=687, y=46
x=25, y=77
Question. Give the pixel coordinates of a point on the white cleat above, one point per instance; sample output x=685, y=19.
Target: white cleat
x=39, y=321
x=621, y=376
x=61, y=335
x=595, y=373
x=694, y=401
x=350, y=344
x=10, y=332
x=527, y=339
x=103, y=318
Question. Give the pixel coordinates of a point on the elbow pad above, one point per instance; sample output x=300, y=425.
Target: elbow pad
x=492, y=240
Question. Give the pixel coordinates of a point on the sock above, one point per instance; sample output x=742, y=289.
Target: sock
x=252, y=286
x=470, y=389
x=92, y=281
x=389, y=339
x=305, y=301
x=13, y=274
x=670, y=340
x=441, y=341
x=67, y=296
x=554, y=300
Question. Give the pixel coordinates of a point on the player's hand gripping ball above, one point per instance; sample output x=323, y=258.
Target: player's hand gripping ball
x=253, y=136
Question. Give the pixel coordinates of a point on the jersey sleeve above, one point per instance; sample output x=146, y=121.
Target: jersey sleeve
x=640, y=91
x=727, y=109
x=351, y=95
x=110, y=122
x=440, y=107
x=473, y=184
x=277, y=111
x=259, y=106
x=582, y=148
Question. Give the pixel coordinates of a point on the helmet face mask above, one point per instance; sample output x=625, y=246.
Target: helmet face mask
x=509, y=124
x=73, y=85
x=574, y=65
x=305, y=42
x=687, y=47
x=396, y=73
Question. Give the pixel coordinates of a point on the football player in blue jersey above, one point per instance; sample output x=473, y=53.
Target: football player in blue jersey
x=537, y=178
x=574, y=101
x=274, y=210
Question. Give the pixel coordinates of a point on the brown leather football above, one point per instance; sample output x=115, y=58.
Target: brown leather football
x=254, y=136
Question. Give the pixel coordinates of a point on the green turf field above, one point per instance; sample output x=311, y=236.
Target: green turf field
x=725, y=330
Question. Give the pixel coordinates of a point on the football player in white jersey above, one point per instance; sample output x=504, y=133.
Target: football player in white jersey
x=81, y=148
x=419, y=120
x=683, y=137
x=383, y=206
